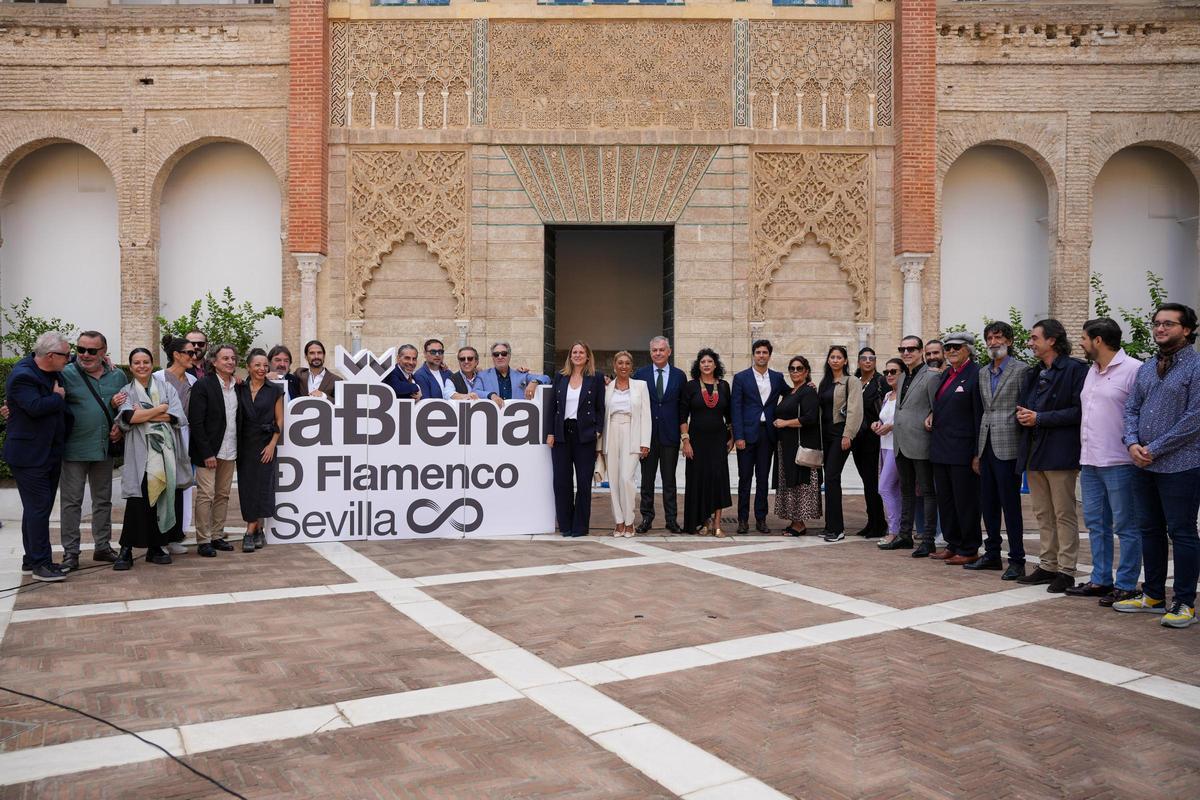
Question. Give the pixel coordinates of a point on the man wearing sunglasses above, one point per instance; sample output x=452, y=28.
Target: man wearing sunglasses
x=199, y=344
x=503, y=382
x=431, y=376
x=38, y=423
x=467, y=383
x=910, y=436
x=93, y=397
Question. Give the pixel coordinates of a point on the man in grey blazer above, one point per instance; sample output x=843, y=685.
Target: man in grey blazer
x=1000, y=385
x=911, y=434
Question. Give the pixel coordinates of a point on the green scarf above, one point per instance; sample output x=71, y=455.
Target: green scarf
x=160, y=459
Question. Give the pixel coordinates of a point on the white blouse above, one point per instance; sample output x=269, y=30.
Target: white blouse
x=571, y=409
x=621, y=401
x=887, y=415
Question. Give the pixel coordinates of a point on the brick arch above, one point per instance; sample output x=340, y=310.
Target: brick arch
x=1171, y=133
x=20, y=140
x=1042, y=144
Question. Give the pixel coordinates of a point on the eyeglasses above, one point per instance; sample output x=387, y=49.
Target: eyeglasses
x=904, y=349
x=1166, y=324
x=435, y=352
x=891, y=372
x=866, y=358
x=200, y=345
x=89, y=351
x=466, y=358
x=56, y=353
x=954, y=346
x=500, y=354
x=795, y=369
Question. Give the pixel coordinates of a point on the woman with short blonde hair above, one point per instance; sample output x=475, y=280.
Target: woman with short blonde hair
x=626, y=440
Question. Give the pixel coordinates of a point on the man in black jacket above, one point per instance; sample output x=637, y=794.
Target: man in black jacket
x=213, y=417
x=957, y=410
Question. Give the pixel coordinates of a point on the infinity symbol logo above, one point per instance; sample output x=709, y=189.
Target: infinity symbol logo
x=441, y=518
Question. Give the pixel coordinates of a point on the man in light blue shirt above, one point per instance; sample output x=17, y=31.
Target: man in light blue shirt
x=467, y=383
x=501, y=382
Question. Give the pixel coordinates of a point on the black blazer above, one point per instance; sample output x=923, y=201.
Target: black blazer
x=206, y=416
x=956, y=417
x=873, y=392
x=39, y=420
x=591, y=407
x=1053, y=443
x=806, y=407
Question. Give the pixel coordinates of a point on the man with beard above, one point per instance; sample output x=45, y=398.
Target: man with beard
x=1162, y=431
x=431, y=376
x=935, y=354
x=318, y=381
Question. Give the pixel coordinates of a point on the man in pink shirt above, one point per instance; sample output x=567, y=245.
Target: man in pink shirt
x=1106, y=467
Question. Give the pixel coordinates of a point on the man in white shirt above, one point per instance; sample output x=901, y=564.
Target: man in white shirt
x=317, y=381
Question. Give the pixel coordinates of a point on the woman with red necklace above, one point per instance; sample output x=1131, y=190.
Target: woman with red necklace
x=705, y=426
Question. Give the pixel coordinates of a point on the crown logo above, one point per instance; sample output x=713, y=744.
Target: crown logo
x=364, y=366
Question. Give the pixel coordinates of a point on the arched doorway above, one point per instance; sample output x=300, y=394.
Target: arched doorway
x=58, y=220
x=1144, y=214
x=995, y=249
x=219, y=225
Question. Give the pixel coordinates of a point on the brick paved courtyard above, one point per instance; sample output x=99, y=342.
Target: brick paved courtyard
x=656, y=667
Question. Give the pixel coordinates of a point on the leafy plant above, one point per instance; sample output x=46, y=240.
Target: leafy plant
x=222, y=319
x=22, y=328
x=1020, y=338
x=1140, y=337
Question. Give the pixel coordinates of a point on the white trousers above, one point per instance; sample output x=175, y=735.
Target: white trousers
x=623, y=469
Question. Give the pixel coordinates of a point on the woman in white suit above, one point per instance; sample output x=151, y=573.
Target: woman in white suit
x=626, y=441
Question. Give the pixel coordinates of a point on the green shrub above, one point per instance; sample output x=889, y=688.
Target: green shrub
x=23, y=328
x=223, y=320
x=1139, y=341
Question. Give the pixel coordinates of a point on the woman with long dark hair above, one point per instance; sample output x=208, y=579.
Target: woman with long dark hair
x=797, y=424
x=181, y=357
x=865, y=447
x=577, y=408
x=706, y=431
x=840, y=395
x=889, y=476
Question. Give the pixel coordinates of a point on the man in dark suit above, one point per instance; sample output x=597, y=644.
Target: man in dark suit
x=957, y=410
x=401, y=377
x=756, y=392
x=431, y=376
x=665, y=383
x=213, y=412
x=38, y=424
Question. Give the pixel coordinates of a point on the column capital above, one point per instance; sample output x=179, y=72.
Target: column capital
x=463, y=327
x=308, y=264
x=912, y=265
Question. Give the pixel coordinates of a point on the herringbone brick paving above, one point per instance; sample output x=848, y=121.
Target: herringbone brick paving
x=414, y=558
x=905, y=714
x=498, y=752
x=177, y=666
x=593, y=616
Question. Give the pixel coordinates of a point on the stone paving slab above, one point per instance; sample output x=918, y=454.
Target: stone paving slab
x=164, y=668
x=497, y=752
x=577, y=618
x=419, y=557
x=905, y=714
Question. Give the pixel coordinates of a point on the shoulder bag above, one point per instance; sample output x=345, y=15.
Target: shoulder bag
x=115, y=449
x=808, y=456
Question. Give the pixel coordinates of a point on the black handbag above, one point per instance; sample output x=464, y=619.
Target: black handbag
x=115, y=449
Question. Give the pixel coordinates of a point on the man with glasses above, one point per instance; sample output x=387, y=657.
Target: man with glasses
x=957, y=410
x=37, y=432
x=93, y=396
x=1162, y=434
x=501, y=382
x=665, y=383
x=910, y=438
x=431, y=377
x=199, y=345
x=467, y=383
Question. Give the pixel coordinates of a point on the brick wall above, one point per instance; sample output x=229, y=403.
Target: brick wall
x=308, y=110
x=916, y=125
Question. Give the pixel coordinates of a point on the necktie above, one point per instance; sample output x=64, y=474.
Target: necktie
x=658, y=383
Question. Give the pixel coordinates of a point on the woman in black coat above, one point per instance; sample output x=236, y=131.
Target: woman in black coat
x=865, y=447
x=577, y=407
x=797, y=424
x=260, y=404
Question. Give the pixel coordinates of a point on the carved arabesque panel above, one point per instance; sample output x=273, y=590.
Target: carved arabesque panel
x=579, y=74
x=826, y=194
x=401, y=192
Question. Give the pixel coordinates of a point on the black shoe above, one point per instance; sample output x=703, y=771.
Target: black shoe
x=924, y=550
x=1014, y=572
x=873, y=534
x=899, y=543
x=161, y=557
x=790, y=531
x=644, y=526
x=260, y=540
x=1038, y=577
x=984, y=563
x=1117, y=595
x=761, y=526
x=743, y=527
x=1086, y=589
x=673, y=527
x=206, y=550
x=248, y=543
x=222, y=545
x=26, y=569
x=48, y=573
x=70, y=562
x=105, y=554
x=834, y=536
x=1060, y=583
x=124, y=559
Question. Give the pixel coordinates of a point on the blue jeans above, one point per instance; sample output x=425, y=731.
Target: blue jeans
x=1108, y=508
x=1166, y=504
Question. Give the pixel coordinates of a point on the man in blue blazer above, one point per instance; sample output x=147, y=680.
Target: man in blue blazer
x=432, y=375
x=756, y=392
x=401, y=378
x=502, y=382
x=665, y=383
x=957, y=412
x=38, y=424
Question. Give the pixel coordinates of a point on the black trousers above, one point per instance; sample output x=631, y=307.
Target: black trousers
x=917, y=472
x=958, y=507
x=754, y=463
x=37, y=487
x=665, y=456
x=578, y=459
x=865, y=449
x=1000, y=491
x=835, y=462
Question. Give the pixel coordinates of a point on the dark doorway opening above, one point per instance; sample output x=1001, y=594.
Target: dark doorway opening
x=613, y=287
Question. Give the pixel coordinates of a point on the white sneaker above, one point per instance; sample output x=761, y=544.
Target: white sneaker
x=176, y=548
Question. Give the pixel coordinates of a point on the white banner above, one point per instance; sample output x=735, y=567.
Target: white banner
x=372, y=466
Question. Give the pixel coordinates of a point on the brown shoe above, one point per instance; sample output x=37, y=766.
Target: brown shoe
x=941, y=555
x=958, y=561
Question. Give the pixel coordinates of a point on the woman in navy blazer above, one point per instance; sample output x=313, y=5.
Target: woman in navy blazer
x=577, y=406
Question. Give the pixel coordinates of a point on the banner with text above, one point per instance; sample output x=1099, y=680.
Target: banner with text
x=372, y=466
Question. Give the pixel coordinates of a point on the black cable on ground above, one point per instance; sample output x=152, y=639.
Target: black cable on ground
x=33, y=584
x=114, y=726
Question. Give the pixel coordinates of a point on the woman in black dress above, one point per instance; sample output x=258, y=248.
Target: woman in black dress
x=865, y=447
x=705, y=427
x=797, y=424
x=261, y=403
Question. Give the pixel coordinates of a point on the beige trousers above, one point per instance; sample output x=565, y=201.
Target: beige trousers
x=212, y=500
x=1053, y=495
x=623, y=468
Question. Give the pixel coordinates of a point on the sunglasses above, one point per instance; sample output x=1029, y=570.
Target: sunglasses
x=89, y=351
x=904, y=349
x=56, y=353
x=435, y=352
x=795, y=369
x=866, y=358
x=200, y=345
x=500, y=354
x=466, y=358
x=954, y=346
x=891, y=372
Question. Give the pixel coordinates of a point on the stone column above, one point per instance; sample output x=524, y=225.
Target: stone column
x=308, y=264
x=911, y=265
x=463, y=326
x=354, y=328
x=865, y=329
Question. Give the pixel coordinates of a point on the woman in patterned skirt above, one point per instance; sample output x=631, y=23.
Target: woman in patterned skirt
x=797, y=423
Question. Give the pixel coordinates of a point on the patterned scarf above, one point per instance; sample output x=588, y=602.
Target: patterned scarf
x=1166, y=358
x=160, y=459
